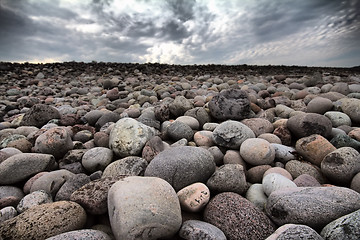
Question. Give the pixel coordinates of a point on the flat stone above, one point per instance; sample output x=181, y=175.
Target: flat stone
x=39, y=222
x=128, y=137
x=195, y=229
x=143, y=207
x=193, y=198
x=182, y=166
x=21, y=166
x=237, y=217
x=311, y=206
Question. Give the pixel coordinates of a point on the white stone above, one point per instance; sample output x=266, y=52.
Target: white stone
x=276, y=181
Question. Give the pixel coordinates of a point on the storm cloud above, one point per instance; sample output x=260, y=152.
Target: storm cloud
x=286, y=32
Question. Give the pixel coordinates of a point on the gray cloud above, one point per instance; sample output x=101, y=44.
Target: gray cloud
x=301, y=32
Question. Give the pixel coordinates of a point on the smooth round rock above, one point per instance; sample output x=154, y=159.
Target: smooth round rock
x=345, y=227
x=129, y=166
x=319, y=105
x=182, y=166
x=232, y=134
x=89, y=234
x=7, y=213
x=217, y=154
x=355, y=183
x=194, y=197
x=128, y=137
x=297, y=168
x=52, y=181
x=233, y=157
x=255, y=174
x=341, y=165
x=228, y=178
x=311, y=206
x=276, y=181
x=314, y=148
x=279, y=170
x=283, y=111
x=257, y=151
x=179, y=130
x=93, y=195
x=351, y=107
x=10, y=196
x=92, y=116
x=237, y=217
x=294, y=231
x=201, y=114
x=33, y=199
x=284, y=153
x=39, y=114
x=143, y=207
x=305, y=180
x=97, y=158
x=256, y=195
x=303, y=125
x=192, y=122
x=338, y=118
x=204, y=138
x=55, y=141
x=39, y=222
x=230, y=104
x=199, y=230
x=271, y=138
x=21, y=166
x=259, y=125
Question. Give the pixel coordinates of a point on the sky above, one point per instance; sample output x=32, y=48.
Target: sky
x=231, y=32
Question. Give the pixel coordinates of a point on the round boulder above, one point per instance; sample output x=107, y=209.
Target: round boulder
x=143, y=207
x=230, y=104
x=303, y=125
x=182, y=166
x=232, y=134
x=257, y=151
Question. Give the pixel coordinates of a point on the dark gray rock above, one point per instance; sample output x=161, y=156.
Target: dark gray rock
x=39, y=114
x=230, y=104
x=89, y=234
x=180, y=105
x=237, y=217
x=311, y=206
x=200, y=114
x=178, y=130
x=182, y=166
x=71, y=185
x=199, y=230
x=303, y=125
x=340, y=141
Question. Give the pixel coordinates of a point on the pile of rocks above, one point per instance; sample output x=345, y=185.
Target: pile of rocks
x=129, y=151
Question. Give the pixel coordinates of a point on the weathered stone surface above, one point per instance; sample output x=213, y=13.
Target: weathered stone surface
x=341, y=165
x=303, y=125
x=39, y=114
x=143, y=207
x=228, y=178
x=259, y=125
x=193, y=198
x=179, y=130
x=232, y=134
x=199, y=230
x=93, y=195
x=237, y=217
x=21, y=166
x=97, y=158
x=182, y=166
x=33, y=199
x=129, y=166
x=351, y=107
x=294, y=231
x=55, y=141
x=88, y=234
x=7, y=213
x=230, y=104
x=297, y=168
x=311, y=206
x=152, y=148
x=256, y=195
x=314, y=148
x=72, y=184
x=345, y=227
x=276, y=181
x=39, y=222
x=128, y=137
x=180, y=105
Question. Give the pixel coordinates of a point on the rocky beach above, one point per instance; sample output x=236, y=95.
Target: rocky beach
x=156, y=151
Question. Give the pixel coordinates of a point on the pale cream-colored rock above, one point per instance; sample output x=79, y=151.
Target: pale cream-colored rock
x=279, y=170
x=194, y=197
